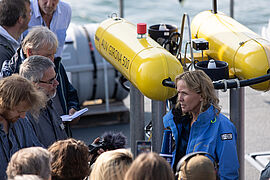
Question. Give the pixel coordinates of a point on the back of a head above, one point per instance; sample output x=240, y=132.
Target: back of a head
x=39, y=37
x=112, y=165
x=33, y=160
x=11, y=10
x=26, y=177
x=69, y=159
x=198, y=167
x=149, y=166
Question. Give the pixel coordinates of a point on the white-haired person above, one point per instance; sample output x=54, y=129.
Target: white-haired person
x=33, y=161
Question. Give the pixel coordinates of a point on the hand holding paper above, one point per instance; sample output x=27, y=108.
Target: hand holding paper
x=73, y=116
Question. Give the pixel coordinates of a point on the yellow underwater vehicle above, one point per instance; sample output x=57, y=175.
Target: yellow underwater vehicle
x=151, y=67
x=142, y=61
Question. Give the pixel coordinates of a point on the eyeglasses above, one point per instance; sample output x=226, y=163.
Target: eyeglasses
x=51, y=81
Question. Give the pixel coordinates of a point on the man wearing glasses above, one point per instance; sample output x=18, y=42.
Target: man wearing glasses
x=48, y=126
x=42, y=41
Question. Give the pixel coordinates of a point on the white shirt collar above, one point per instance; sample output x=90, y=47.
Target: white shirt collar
x=15, y=43
x=36, y=11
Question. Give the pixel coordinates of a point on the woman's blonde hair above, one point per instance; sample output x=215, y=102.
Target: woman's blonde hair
x=112, y=165
x=200, y=83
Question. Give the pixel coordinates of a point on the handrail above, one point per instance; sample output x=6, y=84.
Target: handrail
x=227, y=83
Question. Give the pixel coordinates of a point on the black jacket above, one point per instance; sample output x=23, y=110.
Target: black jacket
x=67, y=93
x=6, y=50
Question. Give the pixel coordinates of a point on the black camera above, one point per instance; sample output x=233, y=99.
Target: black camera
x=94, y=147
x=108, y=141
x=200, y=44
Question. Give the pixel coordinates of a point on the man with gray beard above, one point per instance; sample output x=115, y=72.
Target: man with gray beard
x=48, y=126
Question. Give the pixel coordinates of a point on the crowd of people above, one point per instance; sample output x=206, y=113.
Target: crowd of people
x=35, y=91
x=68, y=160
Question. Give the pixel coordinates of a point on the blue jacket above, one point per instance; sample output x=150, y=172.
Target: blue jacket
x=20, y=135
x=6, y=50
x=213, y=134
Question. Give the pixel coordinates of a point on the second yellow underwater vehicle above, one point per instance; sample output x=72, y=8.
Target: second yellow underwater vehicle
x=247, y=53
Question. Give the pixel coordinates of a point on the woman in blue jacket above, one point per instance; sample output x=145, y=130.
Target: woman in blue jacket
x=198, y=125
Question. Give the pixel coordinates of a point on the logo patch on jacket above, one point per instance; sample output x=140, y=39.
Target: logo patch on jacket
x=227, y=136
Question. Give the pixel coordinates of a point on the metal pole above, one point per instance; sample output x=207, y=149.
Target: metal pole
x=215, y=6
x=237, y=116
x=121, y=8
x=158, y=111
x=136, y=117
x=232, y=8
x=106, y=85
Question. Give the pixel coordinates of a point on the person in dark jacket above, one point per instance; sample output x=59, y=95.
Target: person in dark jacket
x=48, y=127
x=42, y=41
x=14, y=18
x=17, y=96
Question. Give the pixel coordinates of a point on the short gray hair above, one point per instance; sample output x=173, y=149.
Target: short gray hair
x=33, y=160
x=39, y=37
x=33, y=68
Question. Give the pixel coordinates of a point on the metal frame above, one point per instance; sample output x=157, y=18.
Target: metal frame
x=258, y=159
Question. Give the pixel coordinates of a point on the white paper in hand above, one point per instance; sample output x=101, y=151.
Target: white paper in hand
x=73, y=116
